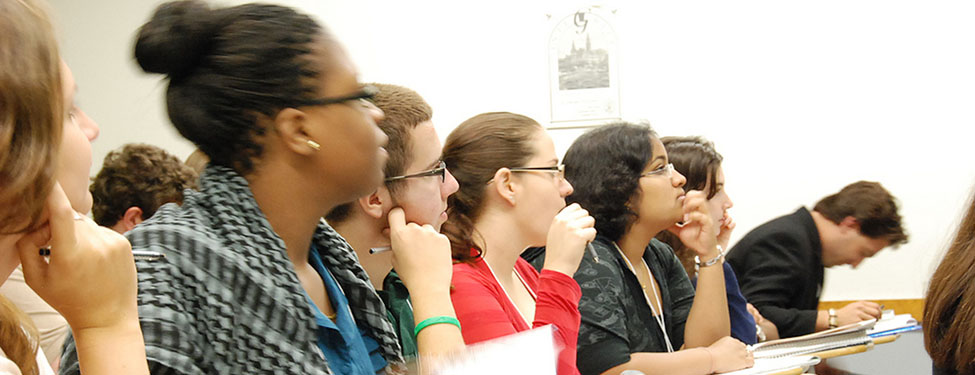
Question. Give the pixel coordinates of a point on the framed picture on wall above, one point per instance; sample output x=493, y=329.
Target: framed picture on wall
x=583, y=54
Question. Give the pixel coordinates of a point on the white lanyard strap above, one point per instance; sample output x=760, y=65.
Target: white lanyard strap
x=659, y=317
x=530, y=291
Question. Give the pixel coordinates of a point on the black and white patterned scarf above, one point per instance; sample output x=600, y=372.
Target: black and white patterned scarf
x=226, y=299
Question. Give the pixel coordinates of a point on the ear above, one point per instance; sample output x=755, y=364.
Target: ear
x=850, y=223
x=290, y=124
x=131, y=218
x=372, y=204
x=504, y=185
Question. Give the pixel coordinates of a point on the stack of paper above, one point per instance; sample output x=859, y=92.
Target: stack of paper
x=891, y=324
x=768, y=366
x=529, y=352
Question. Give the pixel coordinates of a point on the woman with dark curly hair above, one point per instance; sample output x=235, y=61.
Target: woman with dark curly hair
x=639, y=309
x=700, y=163
x=250, y=279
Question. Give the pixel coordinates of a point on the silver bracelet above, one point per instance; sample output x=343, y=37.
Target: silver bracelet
x=715, y=260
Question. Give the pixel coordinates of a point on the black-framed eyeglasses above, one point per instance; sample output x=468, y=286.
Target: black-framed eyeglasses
x=365, y=96
x=440, y=170
x=558, y=169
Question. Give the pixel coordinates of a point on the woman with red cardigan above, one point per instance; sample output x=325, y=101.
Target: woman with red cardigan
x=512, y=196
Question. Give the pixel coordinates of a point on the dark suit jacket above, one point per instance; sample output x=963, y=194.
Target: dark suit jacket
x=780, y=269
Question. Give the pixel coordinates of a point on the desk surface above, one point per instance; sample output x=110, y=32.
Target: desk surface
x=906, y=356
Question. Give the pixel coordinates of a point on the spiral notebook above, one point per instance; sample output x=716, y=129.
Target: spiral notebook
x=840, y=337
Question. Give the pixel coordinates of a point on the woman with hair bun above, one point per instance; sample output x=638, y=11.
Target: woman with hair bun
x=252, y=279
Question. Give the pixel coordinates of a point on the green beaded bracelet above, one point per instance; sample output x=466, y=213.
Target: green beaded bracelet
x=435, y=320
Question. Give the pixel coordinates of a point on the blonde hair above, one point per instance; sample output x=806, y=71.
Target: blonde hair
x=18, y=336
x=31, y=121
x=31, y=116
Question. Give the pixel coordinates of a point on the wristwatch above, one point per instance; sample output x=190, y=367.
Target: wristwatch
x=698, y=264
x=833, y=319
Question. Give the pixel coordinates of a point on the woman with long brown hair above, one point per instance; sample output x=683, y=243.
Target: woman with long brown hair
x=83, y=271
x=512, y=196
x=949, y=308
x=700, y=163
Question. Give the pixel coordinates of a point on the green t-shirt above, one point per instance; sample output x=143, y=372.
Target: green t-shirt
x=400, y=312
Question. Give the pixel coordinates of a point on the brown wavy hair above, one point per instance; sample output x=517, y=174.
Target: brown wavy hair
x=474, y=152
x=871, y=205
x=31, y=122
x=31, y=115
x=138, y=175
x=949, y=308
x=696, y=159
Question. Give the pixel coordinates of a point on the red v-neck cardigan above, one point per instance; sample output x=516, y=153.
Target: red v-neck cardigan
x=485, y=312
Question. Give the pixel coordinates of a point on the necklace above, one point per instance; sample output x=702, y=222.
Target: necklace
x=658, y=316
x=530, y=291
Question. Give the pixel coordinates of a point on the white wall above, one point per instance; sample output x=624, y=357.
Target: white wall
x=800, y=97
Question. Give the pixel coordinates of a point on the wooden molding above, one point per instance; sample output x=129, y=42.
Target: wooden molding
x=900, y=306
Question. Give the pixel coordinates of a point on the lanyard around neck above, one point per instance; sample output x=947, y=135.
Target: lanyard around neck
x=658, y=316
x=530, y=291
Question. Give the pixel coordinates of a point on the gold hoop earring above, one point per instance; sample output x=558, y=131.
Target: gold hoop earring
x=314, y=145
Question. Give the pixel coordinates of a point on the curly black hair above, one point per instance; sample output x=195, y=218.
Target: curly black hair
x=604, y=165
x=228, y=68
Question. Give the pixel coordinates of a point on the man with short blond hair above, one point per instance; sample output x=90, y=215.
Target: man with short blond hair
x=417, y=181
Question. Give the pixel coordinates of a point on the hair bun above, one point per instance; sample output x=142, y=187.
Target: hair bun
x=176, y=38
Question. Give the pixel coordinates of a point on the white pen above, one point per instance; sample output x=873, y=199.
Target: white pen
x=592, y=251
x=377, y=250
x=137, y=254
x=147, y=255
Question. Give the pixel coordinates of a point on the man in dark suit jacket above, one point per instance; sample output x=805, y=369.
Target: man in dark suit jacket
x=780, y=263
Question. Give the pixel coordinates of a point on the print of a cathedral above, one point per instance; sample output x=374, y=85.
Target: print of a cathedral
x=586, y=68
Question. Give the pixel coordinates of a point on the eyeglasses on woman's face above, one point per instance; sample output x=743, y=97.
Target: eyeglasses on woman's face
x=559, y=170
x=363, y=96
x=666, y=171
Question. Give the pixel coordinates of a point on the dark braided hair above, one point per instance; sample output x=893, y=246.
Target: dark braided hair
x=228, y=68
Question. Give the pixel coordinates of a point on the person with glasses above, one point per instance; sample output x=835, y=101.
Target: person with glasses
x=697, y=160
x=512, y=196
x=417, y=182
x=639, y=309
x=247, y=277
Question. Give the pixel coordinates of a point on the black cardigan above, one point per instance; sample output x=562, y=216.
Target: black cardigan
x=780, y=269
